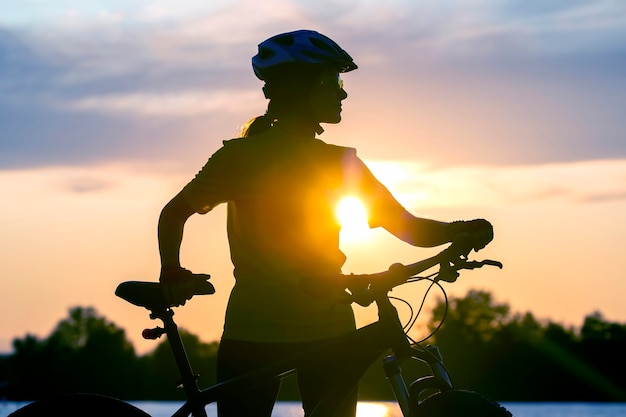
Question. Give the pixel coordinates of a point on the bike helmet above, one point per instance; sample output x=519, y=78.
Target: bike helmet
x=300, y=47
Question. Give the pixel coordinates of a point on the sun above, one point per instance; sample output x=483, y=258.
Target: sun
x=353, y=218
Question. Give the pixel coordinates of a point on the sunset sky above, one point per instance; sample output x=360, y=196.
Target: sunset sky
x=511, y=111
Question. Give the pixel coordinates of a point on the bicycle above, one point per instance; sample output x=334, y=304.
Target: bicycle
x=431, y=395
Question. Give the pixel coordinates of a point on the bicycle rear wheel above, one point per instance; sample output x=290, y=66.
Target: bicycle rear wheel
x=459, y=403
x=79, y=405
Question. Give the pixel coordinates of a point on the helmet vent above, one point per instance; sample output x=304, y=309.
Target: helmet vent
x=285, y=40
x=322, y=45
x=265, y=53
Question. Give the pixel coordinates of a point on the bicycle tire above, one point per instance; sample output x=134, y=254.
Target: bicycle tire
x=79, y=405
x=459, y=403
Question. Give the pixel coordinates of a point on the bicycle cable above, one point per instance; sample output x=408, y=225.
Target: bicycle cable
x=443, y=318
x=413, y=316
x=435, y=279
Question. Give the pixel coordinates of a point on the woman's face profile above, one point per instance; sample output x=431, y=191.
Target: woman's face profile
x=326, y=97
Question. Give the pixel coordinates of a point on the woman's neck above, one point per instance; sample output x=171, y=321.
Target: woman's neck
x=298, y=126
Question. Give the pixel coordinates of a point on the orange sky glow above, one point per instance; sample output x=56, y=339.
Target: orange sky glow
x=554, y=236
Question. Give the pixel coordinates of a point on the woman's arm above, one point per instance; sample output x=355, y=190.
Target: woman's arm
x=170, y=230
x=428, y=233
x=416, y=231
x=419, y=231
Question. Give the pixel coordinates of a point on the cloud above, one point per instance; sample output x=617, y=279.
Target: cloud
x=418, y=186
x=92, y=185
x=560, y=27
x=179, y=104
x=586, y=182
x=84, y=82
x=85, y=184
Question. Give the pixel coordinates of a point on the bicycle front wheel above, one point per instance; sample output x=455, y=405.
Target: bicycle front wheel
x=459, y=403
x=79, y=405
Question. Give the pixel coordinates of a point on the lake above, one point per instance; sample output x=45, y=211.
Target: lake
x=388, y=409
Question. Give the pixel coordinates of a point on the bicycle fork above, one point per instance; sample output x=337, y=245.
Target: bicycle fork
x=406, y=396
x=391, y=365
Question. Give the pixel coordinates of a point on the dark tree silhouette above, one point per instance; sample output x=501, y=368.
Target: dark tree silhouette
x=85, y=353
x=516, y=358
x=487, y=348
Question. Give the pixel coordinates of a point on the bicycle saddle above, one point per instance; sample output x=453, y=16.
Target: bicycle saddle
x=150, y=294
x=142, y=294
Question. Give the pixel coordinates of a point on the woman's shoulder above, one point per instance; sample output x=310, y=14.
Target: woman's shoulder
x=332, y=148
x=263, y=143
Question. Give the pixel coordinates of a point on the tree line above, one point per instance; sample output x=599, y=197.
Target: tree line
x=487, y=348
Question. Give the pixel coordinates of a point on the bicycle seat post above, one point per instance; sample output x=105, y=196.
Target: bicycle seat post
x=189, y=380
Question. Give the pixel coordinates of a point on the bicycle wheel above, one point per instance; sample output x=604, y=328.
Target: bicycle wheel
x=79, y=405
x=458, y=403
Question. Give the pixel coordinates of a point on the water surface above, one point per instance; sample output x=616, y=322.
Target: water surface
x=390, y=409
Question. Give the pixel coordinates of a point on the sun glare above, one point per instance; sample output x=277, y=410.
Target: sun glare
x=372, y=410
x=353, y=218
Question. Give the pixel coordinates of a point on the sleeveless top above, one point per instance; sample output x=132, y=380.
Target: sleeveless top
x=281, y=194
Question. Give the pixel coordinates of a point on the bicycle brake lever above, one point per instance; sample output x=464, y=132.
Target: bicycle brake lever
x=480, y=264
x=449, y=272
x=493, y=263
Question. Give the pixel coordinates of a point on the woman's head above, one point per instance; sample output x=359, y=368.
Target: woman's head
x=301, y=73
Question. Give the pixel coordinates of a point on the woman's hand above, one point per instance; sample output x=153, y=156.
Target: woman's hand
x=180, y=284
x=478, y=232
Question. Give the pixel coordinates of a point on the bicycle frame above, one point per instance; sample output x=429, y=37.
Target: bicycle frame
x=371, y=341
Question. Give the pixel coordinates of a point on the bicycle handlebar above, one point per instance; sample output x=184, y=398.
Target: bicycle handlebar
x=450, y=260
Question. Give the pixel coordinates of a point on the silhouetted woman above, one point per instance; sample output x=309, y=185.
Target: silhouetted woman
x=281, y=185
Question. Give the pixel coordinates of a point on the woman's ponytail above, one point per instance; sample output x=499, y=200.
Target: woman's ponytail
x=257, y=125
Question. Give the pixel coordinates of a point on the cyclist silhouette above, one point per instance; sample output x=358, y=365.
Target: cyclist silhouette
x=281, y=185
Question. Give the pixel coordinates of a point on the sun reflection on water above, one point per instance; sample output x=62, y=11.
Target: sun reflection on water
x=365, y=409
